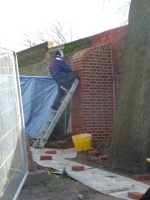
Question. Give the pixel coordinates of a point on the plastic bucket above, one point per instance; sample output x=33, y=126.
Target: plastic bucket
x=82, y=141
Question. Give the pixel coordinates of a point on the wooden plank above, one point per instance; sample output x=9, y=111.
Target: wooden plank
x=31, y=165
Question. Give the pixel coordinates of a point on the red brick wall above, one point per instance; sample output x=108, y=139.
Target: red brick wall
x=76, y=107
x=93, y=102
x=116, y=38
x=100, y=68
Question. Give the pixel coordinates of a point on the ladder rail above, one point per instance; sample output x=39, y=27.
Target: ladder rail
x=46, y=125
x=53, y=118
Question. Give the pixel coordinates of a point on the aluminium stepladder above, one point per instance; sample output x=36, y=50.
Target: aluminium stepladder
x=53, y=118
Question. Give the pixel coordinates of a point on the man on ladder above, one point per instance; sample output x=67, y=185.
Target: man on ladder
x=60, y=71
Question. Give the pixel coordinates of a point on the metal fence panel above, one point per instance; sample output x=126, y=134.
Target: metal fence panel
x=13, y=156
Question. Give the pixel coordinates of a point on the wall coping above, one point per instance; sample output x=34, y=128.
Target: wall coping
x=93, y=37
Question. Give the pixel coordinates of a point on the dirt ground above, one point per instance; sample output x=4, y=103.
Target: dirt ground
x=61, y=187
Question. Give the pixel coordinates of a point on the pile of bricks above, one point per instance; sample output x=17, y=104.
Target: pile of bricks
x=93, y=152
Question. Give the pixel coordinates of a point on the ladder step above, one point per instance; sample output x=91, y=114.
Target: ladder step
x=64, y=88
x=43, y=130
x=49, y=120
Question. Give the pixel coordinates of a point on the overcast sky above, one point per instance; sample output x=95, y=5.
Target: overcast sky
x=87, y=17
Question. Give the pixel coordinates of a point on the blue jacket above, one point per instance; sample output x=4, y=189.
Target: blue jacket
x=58, y=68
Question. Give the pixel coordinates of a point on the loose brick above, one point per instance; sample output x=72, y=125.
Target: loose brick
x=89, y=151
x=102, y=157
x=138, y=177
x=135, y=195
x=146, y=176
x=50, y=152
x=45, y=157
x=86, y=152
x=77, y=168
x=141, y=177
x=93, y=152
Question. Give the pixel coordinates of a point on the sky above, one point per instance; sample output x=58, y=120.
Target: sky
x=87, y=18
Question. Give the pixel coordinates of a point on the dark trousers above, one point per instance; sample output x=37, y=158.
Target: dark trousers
x=66, y=82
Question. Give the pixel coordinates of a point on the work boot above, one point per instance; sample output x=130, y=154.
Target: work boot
x=53, y=108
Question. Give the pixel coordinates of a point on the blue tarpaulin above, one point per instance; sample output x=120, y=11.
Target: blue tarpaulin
x=38, y=94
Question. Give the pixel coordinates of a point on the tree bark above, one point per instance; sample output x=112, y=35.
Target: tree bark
x=130, y=144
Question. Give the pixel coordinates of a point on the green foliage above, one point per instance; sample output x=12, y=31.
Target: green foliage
x=72, y=47
x=78, y=184
x=32, y=55
x=52, y=54
x=62, y=184
x=43, y=188
x=53, y=177
x=55, y=187
x=36, y=183
x=64, y=173
x=37, y=143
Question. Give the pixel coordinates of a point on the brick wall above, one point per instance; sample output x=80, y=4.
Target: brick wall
x=38, y=69
x=116, y=37
x=93, y=102
x=34, y=61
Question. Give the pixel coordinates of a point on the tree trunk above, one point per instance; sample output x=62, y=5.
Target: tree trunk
x=131, y=135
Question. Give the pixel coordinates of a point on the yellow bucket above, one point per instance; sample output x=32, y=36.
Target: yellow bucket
x=82, y=141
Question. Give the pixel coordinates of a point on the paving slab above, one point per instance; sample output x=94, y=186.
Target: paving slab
x=100, y=180
x=63, y=153
x=109, y=183
x=57, y=162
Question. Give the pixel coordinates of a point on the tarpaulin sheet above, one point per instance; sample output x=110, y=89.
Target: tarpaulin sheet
x=38, y=94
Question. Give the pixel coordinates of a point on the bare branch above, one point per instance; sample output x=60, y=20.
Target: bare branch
x=53, y=32
x=57, y=29
x=70, y=30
